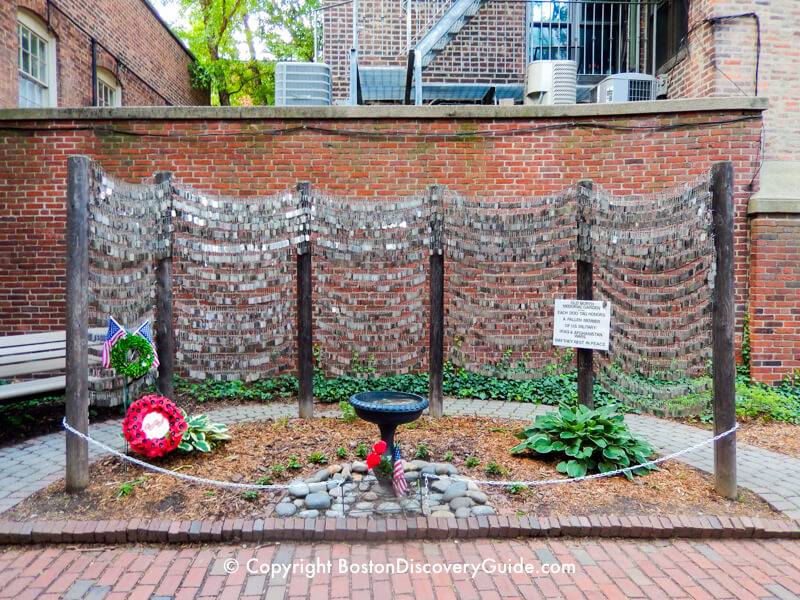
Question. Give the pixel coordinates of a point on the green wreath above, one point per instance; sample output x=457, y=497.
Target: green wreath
x=142, y=356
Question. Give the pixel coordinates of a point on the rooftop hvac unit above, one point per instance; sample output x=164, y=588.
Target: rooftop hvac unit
x=626, y=87
x=302, y=84
x=551, y=82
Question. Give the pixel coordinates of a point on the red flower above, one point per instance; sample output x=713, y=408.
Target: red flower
x=380, y=447
x=153, y=426
x=373, y=460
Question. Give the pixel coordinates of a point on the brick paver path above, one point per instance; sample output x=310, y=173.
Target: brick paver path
x=591, y=569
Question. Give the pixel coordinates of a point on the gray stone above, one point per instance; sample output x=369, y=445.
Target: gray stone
x=364, y=506
x=413, y=476
x=435, y=498
x=429, y=469
x=417, y=465
x=359, y=467
x=338, y=477
x=388, y=507
x=478, y=497
x=446, y=469
x=320, y=486
x=346, y=470
x=308, y=514
x=363, y=486
x=461, y=502
x=441, y=507
x=463, y=512
x=348, y=499
x=318, y=501
x=456, y=490
x=285, y=509
x=336, y=511
x=333, y=469
x=337, y=492
x=409, y=504
x=298, y=489
x=446, y=514
x=441, y=485
x=299, y=503
x=360, y=513
x=369, y=496
x=482, y=510
x=321, y=475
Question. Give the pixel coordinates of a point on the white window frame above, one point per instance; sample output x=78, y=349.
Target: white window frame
x=106, y=78
x=37, y=27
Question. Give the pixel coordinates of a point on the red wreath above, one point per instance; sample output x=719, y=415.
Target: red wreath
x=134, y=433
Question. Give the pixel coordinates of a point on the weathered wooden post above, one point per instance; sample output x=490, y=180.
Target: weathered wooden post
x=77, y=321
x=436, y=357
x=305, y=350
x=723, y=323
x=165, y=330
x=584, y=357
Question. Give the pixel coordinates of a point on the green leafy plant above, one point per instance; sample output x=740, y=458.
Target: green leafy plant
x=471, y=461
x=277, y=471
x=202, y=435
x=126, y=488
x=341, y=452
x=348, y=411
x=492, y=468
x=317, y=458
x=250, y=495
x=422, y=452
x=516, y=488
x=293, y=464
x=587, y=440
x=264, y=481
x=448, y=456
x=362, y=451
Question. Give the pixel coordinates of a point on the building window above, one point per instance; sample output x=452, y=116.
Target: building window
x=108, y=92
x=672, y=26
x=37, y=65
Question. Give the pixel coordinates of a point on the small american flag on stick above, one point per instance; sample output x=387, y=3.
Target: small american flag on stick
x=398, y=477
x=144, y=331
x=115, y=333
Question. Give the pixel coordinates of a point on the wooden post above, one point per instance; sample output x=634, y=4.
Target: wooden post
x=165, y=328
x=584, y=358
x=436, y=359
x=305, y=350
x=77, y=321
x=724, y=366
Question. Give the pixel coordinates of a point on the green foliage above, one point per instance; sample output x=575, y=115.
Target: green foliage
x=422, y=452
x=277, y=471
x=341, y=452
x=493, y=468
x=317, y=458
x=293, y=464
x=471, y=461
x=202, y=435
x=264, y=480
x=744, y=368
x=126, y=488
x=348, y=411
x=250, y=495
x=362, y=451
x=516, y=488
x=587, y=440
x=448, y=456
x=16, y=413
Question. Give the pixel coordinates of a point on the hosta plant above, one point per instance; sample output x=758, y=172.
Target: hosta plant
x=586, y=441
x=202, y=434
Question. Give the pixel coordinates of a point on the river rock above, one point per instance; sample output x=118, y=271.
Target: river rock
x=318, y=501
x=359, y=467
x=308, y=514
x=478, y=497
x=298, y=489
x=461, y=502
x=456, y=490
x=482, y=510
x=463, y=513
x=321, y=475
x=285, y=509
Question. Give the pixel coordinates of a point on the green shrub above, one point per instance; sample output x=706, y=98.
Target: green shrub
x=202, y=435
x=587, y=441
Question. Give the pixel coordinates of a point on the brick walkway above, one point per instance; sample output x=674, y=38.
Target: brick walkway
x=36, y=463
x=590, y=569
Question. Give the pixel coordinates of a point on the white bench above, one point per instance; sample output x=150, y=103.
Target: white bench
x=24, y=355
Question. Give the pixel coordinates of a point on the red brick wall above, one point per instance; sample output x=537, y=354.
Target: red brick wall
x=775, y=296
x=232, y=157
x=152, y=67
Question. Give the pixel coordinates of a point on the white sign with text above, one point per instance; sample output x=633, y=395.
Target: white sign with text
x=582, y=324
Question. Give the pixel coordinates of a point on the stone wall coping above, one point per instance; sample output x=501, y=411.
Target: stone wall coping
x=691, y=105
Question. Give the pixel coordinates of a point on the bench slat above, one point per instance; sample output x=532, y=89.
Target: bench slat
x=33, y=338
x=31, y=356
x=11, y=350
x=38, y=386
x=37, y=366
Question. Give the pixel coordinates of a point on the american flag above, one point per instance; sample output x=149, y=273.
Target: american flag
x=399, y=477
x=115, y=333
x=144, y=331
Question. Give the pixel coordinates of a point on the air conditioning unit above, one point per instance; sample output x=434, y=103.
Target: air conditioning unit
x=551, y=82
x=626, y=87
x=302, y=84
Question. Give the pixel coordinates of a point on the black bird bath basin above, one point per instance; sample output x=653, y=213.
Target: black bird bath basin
x=388, y=410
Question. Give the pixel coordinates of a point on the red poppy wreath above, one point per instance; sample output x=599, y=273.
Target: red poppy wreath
x=153, y=426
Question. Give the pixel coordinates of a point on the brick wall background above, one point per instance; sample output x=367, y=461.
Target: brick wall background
x=239, y=156
x=151, y=66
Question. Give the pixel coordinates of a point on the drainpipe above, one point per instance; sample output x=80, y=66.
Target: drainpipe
x=94, y=72
x=354, y=58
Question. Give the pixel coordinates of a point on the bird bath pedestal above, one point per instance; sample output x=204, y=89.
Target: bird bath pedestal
x=388, y=410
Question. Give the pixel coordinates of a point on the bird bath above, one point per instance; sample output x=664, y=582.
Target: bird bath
x=388, y=410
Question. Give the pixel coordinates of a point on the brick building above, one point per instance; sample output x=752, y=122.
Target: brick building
x=71, y=53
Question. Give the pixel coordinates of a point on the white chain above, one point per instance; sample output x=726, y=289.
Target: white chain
x=426, y=476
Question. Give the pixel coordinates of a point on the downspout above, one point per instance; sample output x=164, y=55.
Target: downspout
x=94, y=72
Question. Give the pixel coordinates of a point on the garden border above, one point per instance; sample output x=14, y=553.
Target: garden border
x=344, y=529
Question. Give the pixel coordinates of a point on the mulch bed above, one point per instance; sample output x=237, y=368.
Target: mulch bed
x=259, y=446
